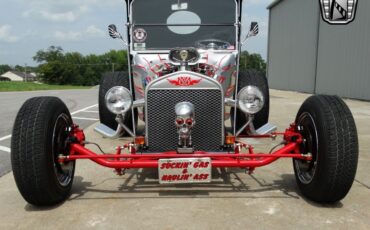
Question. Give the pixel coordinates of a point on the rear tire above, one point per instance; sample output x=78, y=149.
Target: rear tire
x=330, y=134
x=252, y=77
x=108, y=81
x=39, y=135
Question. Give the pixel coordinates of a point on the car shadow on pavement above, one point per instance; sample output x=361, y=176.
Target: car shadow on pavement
x=31, y=208
x=231, y=183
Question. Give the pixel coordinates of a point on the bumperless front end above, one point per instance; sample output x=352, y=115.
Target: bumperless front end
x=199, y=110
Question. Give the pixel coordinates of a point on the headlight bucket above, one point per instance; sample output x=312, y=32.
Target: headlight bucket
x=118, y=100
x=250, y=99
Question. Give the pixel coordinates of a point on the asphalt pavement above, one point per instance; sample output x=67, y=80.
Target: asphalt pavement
x=81, y=103
x=267, y=199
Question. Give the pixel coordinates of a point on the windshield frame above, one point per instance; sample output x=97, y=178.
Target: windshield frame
x=236, y=24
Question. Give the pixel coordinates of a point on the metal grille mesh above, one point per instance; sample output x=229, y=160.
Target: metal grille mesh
x=162, y=133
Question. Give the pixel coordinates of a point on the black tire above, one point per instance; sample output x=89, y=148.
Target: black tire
x=39, y=135
x=252, y=77
x=108, y=81
x=330, y=134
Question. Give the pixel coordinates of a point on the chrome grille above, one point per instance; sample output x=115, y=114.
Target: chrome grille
x=208, y=131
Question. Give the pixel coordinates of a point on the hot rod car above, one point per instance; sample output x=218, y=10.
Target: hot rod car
x=182, y=88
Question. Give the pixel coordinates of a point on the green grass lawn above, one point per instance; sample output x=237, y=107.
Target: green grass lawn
x=6, y=86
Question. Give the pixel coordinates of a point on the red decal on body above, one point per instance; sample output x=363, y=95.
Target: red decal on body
x=219, y=65
x=139, y=90
x=184, y=81
x=222, y=79
x=140, y=67
x=148, y=80
x=162, y=60
x=135, y=74
x=229, y=90
x=227, y=68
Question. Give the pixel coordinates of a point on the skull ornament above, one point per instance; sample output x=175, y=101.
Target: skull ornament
x=184, y=122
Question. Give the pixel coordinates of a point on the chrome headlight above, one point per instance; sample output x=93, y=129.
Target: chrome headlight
x=118, y=100
x=250, y=99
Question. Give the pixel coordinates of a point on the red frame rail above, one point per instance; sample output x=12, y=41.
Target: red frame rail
x=251, y=160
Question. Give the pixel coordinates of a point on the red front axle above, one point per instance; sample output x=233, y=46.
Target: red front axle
x=151, y=160
x=235, y=159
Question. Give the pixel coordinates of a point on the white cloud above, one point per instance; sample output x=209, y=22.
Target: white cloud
x=68, y=36
x=84, y=9
x=90, y=31
x=63, y=11
x=95, y=31
x=68, y=16
x=6, y=36
x=56, y=11
x=71, y=3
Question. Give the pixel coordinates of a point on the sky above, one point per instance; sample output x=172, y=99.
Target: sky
x=27, y=26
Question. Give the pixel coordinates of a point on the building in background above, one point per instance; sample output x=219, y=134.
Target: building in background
x=307, y=54
x=18, y=76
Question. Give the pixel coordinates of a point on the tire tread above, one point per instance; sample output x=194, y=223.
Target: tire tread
x=338, y=142
x=30, y=156
x=108, y=81
x=255, y=78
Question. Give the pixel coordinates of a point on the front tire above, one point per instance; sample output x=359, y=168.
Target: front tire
x=39, y=136
x=107, y=118
x=252, y=77
x=330, y=135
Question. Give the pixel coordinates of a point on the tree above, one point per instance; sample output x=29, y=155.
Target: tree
x=4, y=69
x=58, y=67
x=252, y=61
x=52, y=67
x=53, y=53
x=116, y=59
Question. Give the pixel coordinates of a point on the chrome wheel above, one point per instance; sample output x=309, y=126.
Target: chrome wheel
x=306, y=169
x=63, y=171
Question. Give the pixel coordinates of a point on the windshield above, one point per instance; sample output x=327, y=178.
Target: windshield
x=165, y=24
